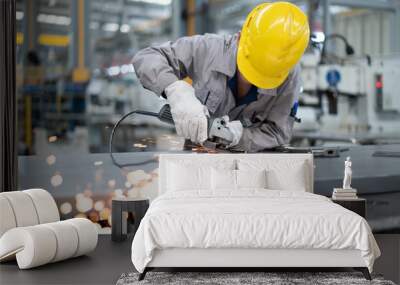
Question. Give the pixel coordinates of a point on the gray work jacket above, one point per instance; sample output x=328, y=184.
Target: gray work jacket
x=210, y=61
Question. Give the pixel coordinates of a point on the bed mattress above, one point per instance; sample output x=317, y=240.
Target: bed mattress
x=250, y=219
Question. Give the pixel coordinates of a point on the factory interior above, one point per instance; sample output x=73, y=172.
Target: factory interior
x=69, y=77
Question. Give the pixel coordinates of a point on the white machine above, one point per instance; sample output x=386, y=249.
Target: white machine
x=357, y=96
x=106, y=97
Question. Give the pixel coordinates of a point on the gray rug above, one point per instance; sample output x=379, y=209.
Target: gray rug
x=231, y=278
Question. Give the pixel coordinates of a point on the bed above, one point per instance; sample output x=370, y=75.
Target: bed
x=245, y=211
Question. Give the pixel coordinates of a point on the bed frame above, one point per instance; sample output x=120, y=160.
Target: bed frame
x=249, y=259
x=246, y=259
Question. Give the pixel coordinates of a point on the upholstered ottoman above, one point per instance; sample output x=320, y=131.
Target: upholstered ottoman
x=31, y=232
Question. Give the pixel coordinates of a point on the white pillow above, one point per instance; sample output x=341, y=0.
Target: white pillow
x=231, y=180
x=282, y=174
x=279, y=180
x=223, y=179
x=251, y=178
x=182, y=178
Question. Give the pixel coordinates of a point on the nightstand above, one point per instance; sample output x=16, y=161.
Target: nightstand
x=358, y=205
x=126, y=215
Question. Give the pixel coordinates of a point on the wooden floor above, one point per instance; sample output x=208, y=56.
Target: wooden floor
x=103, y=266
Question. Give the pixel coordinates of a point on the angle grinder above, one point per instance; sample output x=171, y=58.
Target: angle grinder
x=219, y=135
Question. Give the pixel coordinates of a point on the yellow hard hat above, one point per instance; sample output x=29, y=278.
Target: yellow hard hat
x=273, y=39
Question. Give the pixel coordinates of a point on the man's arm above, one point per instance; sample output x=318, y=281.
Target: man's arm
x=157, y=67
x=161, y=70
x=277, y=129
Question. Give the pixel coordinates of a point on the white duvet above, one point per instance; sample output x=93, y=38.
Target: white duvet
x=250, y=219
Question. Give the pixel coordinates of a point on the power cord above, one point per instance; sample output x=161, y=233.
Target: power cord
x=163, y=115
x=145, y=113
x=348, y=48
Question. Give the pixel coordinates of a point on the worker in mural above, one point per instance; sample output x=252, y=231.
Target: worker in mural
x=253, y=77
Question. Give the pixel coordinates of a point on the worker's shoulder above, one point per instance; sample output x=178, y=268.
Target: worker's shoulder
x=214, y=39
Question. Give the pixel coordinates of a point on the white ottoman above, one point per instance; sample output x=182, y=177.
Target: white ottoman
x=31, y=232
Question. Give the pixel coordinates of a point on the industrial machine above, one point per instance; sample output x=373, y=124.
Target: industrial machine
x=110, y=97
x=355, y=97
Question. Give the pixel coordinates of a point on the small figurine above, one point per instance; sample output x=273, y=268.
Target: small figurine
x=347, y=174
x=347, y=192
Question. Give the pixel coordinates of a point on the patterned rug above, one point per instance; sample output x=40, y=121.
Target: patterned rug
x=242, y=278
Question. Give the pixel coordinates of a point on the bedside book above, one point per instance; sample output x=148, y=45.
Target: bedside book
x=346, y=194
x=340, y=190
x=335, y=197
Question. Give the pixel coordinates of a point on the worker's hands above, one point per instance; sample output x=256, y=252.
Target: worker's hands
x=236, y=128
x=190, y=116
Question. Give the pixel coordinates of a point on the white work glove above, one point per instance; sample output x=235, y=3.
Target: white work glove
x=190, y=116
x=236, y=128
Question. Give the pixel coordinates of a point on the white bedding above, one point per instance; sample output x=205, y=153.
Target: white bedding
x=252, y=218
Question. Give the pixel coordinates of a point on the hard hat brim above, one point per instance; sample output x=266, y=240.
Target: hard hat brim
x=254, y=77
